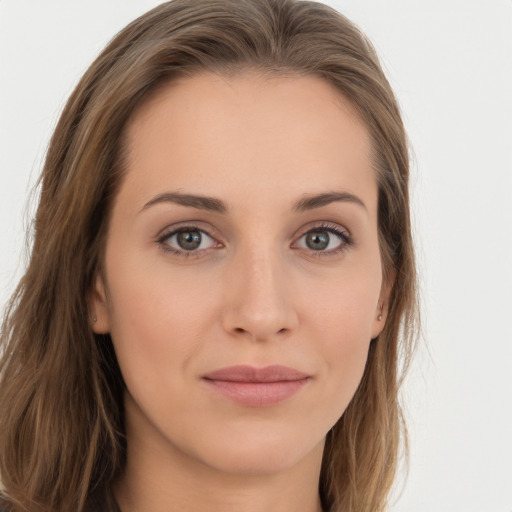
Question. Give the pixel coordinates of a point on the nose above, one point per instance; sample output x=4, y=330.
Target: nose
x=259, y=300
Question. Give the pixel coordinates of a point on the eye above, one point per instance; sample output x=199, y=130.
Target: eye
x=326, y=239
x=186, y=240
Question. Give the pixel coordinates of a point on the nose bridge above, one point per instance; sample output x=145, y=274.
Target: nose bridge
x=260, y=304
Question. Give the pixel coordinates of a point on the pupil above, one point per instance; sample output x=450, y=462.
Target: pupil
x=317, y=240
x=189, y=240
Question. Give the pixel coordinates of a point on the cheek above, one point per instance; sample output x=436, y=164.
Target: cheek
x=343, y=305
x=157, y=319
x=341, y=320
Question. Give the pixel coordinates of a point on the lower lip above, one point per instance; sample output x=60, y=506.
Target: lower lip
x=257, y=394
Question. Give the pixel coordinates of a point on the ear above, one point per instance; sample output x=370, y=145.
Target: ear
x=98, y=307
x=381, y=313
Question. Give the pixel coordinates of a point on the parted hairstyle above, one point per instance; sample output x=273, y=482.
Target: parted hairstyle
x=62, y=438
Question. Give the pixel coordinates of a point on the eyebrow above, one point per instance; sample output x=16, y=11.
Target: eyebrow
x=308, y=202
x=192, y=200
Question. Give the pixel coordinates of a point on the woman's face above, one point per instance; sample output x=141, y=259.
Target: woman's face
x=243, y=237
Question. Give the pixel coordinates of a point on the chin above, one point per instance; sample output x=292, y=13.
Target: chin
x=260, y=454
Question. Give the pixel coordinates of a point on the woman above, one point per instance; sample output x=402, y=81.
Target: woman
x=222, y=278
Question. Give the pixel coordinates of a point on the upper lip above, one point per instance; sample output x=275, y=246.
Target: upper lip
x=245, y=373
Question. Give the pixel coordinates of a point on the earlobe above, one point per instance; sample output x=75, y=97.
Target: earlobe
x=381, y=312
x=380, y=319
x=98, y=307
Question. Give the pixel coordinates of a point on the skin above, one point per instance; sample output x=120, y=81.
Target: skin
x=254, y=292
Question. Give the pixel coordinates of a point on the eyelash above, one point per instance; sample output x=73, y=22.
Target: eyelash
x=344, y=237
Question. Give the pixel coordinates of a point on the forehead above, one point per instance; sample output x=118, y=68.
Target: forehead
x=252, y=132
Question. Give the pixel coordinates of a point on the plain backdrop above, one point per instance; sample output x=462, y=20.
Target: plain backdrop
x=450, y=63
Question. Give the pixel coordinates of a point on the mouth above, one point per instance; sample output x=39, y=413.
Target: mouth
x=256, y=387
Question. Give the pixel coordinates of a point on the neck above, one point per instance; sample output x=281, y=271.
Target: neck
x=158, y=477
x=136, y=491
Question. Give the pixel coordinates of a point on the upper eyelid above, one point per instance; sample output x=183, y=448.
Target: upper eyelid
x=199, y=225
x=175, y=228
x=325, y=224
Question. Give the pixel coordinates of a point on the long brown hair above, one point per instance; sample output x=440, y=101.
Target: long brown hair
x=61, y=427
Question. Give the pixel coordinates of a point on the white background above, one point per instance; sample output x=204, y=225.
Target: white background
x=450, y=62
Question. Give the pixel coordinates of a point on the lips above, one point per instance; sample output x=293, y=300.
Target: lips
x=275, y=373
x=256, y=387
